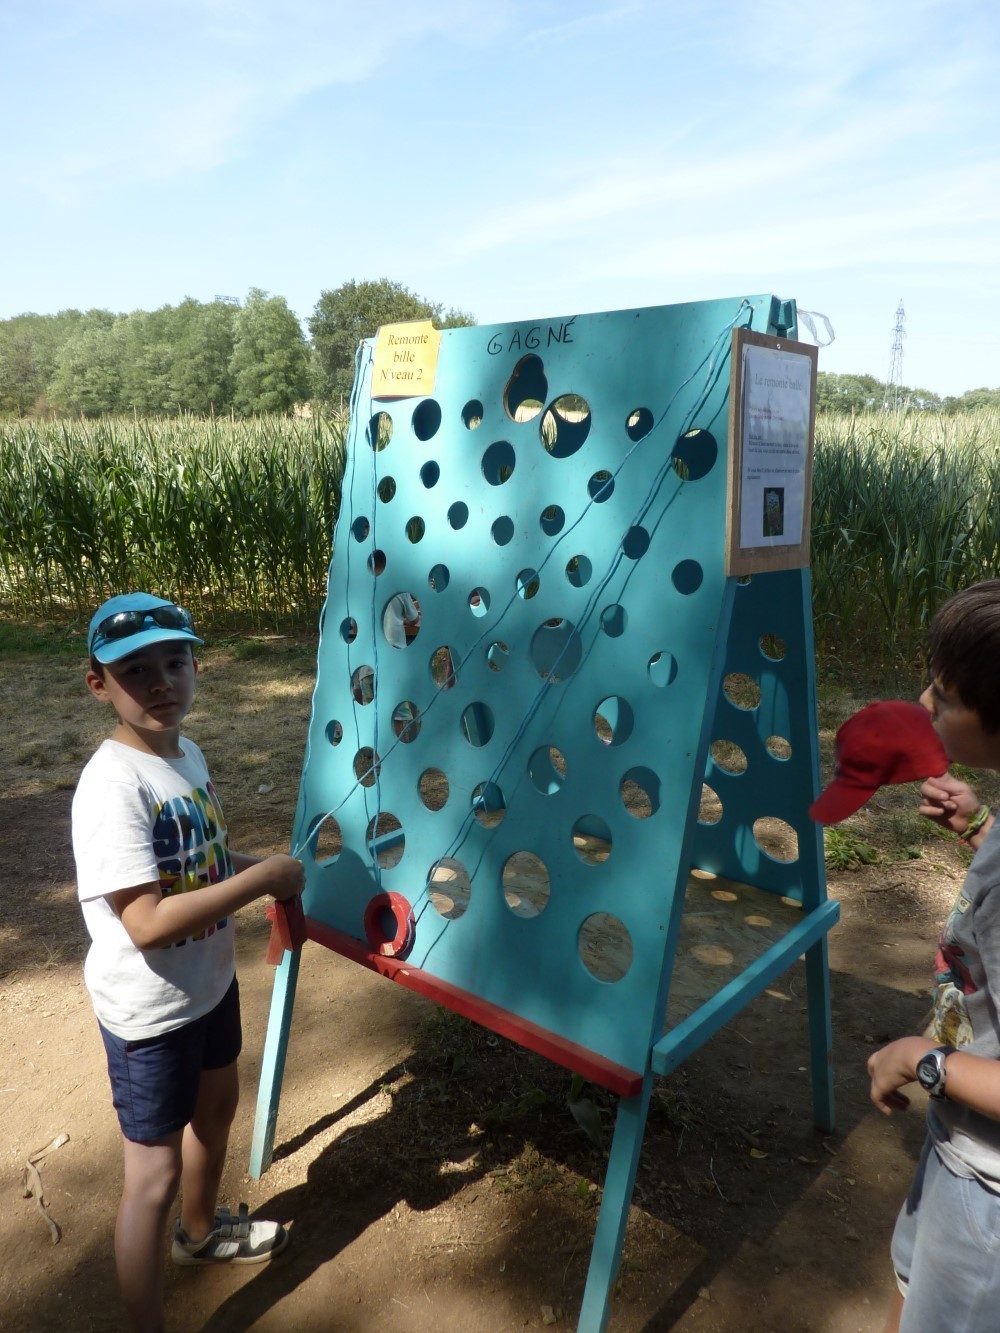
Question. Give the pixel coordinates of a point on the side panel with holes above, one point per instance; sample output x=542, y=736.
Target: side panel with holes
x=762, y=765
x=522, y=619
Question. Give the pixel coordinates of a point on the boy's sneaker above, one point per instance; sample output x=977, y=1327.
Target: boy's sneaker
x=233, y=1240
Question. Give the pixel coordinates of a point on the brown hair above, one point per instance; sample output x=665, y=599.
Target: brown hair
x=963, y=649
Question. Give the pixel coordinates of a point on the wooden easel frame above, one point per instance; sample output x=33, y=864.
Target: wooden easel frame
x=728, y=632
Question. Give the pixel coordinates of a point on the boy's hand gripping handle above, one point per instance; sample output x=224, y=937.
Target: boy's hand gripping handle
x=288, y=928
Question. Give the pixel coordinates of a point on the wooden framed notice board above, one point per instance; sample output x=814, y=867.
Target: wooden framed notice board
x=772, y=418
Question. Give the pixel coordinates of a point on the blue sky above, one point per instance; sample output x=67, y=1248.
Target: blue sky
x=516, y=159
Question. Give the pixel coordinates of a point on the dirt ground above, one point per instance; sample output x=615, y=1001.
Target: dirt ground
x=430, y=1172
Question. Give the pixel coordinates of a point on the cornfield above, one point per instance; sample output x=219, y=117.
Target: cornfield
x=236, y=519
x=906, y=510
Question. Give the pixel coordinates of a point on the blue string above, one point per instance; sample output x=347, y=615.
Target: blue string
x=376, y=759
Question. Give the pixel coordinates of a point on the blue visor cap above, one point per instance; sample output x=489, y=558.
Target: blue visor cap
x=136, y=620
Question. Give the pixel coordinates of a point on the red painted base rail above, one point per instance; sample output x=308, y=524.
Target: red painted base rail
x=594, y=1068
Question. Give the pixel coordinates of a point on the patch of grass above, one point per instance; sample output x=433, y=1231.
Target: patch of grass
x=54, y=955
x=251, y=650
x=846, y=851
x=530, y=1170
x=440, y=1032
x=34, y=755
x=909, y=830
x=932, y=830
x=515, y=1110
x=20, y=639
x=587, y=1193
x=295, y=652
x=909, y=852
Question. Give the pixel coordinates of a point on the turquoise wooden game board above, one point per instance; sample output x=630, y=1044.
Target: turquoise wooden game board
x=531, y=659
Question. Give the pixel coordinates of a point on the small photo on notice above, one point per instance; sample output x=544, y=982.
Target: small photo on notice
x=774, y=511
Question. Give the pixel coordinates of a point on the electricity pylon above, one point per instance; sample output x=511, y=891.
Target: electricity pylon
x=893, y=397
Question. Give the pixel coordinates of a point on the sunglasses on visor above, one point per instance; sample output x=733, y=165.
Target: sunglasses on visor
x=124, y=623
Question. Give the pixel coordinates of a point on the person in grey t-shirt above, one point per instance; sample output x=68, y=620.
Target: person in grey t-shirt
x=946, y=1244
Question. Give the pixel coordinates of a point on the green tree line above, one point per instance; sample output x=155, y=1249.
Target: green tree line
x=853, y=394
x=249, y=358
x=217, y=357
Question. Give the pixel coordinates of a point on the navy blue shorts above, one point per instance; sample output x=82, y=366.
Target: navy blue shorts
x=154, y=1082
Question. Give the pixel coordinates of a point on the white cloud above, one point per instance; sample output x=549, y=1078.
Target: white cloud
x=889, y=179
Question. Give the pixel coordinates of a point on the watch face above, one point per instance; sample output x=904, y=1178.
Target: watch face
x=928, y=1071
x=931, y=1070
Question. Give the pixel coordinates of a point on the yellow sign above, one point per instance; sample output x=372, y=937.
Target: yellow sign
x=405, y=360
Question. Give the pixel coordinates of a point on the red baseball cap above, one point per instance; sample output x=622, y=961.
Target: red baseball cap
x=884, y=743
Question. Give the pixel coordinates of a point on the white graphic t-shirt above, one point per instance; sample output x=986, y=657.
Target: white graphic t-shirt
x=138, y=819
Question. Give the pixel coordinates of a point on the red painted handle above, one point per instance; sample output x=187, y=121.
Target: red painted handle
x=288, y=928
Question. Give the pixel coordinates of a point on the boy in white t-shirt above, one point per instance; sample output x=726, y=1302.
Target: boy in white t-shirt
x=158, y=886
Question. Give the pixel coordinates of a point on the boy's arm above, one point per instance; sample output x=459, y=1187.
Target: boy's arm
x=153, y=921
x=970, y=1080
x=241, y=861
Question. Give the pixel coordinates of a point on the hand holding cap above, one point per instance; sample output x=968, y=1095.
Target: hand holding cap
x=885, y=743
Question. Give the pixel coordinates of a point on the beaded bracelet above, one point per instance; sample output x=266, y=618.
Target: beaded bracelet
x=975, y=823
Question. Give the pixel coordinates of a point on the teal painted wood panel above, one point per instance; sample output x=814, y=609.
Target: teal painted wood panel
x=562, y=530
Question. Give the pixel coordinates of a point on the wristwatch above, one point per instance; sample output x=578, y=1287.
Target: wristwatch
x=931, y=1070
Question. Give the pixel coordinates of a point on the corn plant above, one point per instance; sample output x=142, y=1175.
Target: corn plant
x=235, y=517
x=906, y=510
